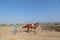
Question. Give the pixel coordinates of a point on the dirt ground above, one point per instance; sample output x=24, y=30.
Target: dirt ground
x=6, y=33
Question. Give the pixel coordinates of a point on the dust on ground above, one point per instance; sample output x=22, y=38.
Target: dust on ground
x=6, y=33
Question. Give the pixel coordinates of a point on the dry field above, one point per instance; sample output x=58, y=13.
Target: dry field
x=6, y=33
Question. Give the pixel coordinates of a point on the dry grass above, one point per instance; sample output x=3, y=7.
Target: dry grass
x=6, y=33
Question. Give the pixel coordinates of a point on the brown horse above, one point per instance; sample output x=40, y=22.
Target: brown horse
x=33, y=26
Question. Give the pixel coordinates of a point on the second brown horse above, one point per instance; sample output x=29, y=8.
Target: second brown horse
x=33, y=26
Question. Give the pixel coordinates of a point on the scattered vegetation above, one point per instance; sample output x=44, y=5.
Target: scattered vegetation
x=54, y=26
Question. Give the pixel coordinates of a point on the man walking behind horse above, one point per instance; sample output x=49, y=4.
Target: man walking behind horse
x=15, y=28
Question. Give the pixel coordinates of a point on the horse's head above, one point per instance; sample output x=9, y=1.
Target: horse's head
x=36, y=23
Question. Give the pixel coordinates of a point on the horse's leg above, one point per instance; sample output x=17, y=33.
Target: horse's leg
x=28, y=29
x=22, y=28
x=34, y=29
x=18, y=29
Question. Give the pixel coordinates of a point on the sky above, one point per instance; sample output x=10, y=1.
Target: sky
x=29, y=11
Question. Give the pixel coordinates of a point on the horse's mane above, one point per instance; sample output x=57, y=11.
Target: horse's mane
x=36, y=23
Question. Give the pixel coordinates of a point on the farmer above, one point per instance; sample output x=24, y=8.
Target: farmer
x=15, y=28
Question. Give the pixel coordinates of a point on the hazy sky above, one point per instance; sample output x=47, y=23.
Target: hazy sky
x=28, y=11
